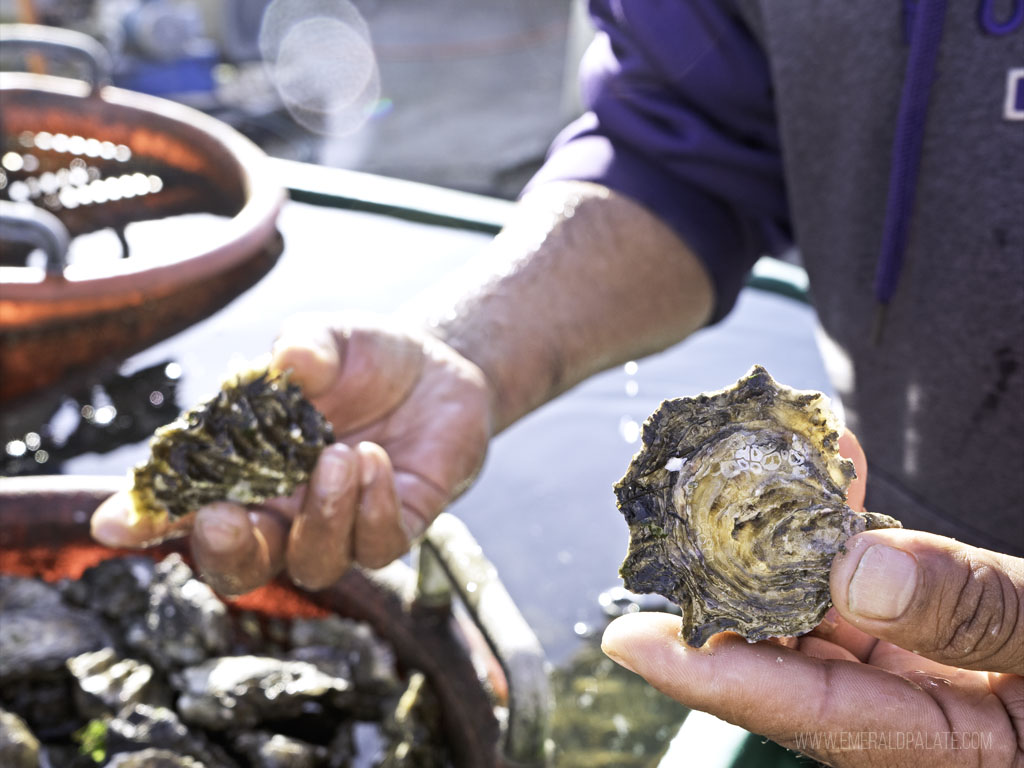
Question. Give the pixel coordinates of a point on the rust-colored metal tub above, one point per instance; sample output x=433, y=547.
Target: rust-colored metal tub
x=110, y=157
x=44, y=531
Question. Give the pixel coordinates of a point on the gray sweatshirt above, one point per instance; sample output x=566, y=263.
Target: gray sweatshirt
x=887, y=144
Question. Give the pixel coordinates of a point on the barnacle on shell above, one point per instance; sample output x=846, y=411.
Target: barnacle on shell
x=257, y=438
x=736, y=505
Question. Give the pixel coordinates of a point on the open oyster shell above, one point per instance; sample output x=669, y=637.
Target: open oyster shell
x=736, y=505
x=257, y=438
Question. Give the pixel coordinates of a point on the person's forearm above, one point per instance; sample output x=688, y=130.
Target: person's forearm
x=579, y=280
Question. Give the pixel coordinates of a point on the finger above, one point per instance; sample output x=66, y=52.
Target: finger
x=422, y=501
x=773, y=691
x=911, y=665
x=360, y=375
x=381, y=534
x=849, y=447
x=836, y=630
x=1009, y=689
x=320, y=541
x=953, y=603
x=819, y=648
x=237, y=549
x=309, y=350
x=354, y=375
x=115, y=523
x=288, y=507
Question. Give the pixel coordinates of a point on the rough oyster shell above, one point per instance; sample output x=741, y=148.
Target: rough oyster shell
x=736, y=505
x=257, y=438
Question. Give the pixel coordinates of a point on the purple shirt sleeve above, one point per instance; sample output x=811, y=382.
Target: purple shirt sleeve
x=681, y=119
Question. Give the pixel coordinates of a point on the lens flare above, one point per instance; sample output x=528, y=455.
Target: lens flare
x=321, y=60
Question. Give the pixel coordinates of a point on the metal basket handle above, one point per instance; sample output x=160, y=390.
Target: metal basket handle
x=449, y=558
x=62, y=42
x=28, y=224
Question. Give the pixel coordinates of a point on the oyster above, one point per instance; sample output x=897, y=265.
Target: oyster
x=257, y=438
x=104, y=682
x=241, y=691
x=736, y=505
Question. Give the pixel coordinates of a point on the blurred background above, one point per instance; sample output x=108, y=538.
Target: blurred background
x=461, y=94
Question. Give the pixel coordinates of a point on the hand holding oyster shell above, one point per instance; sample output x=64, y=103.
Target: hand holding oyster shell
x=903, y=663
x=922, y=657
x=736, y=505
x=261, y=484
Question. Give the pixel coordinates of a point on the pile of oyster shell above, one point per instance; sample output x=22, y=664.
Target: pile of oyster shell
x=138, y=663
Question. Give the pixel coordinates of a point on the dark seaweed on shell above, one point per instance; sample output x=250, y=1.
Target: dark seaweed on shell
x=256, y=439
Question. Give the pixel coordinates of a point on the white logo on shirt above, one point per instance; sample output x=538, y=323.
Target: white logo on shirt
x=1013, y=107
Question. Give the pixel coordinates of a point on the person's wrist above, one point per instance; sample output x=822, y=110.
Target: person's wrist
x=475, y=362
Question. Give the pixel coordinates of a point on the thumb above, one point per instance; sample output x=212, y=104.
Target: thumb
x=309, y=349
x=356, y=369
x=950, y=602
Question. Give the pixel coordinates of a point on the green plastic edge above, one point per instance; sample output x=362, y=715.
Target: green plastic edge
x=438, y=206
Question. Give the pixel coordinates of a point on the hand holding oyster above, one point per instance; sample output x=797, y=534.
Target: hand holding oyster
x=736, y=504
x=414, y=417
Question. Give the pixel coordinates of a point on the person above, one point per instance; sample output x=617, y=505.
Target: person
x=884, y=142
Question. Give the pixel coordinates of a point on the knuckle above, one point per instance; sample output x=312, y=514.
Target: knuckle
x=379, y=553
x=981, y=617
x=231, y=584
x=312, y=582
x=312, y=575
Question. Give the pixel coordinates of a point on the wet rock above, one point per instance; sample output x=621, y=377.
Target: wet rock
x=154, y=758
x=250, y=636
x=117, y=588
x=19, y=748
x=104, y=683
x=17, y=593
x=35, y=641
x=277, y=630
x=185, y=623
x=45, y=703
x=145, y=726
x=273, y=750
x=64, y=755
x=349, y=649
x=92, y=668
x=239, y=691
x=38, y=632
x=352, y=739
